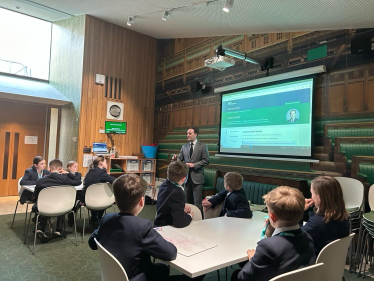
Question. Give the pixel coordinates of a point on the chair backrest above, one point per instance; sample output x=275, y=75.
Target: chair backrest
x=353, y=192
x=213, y=213
x=111, y=269
x=56, y=200
x=371, y=197
x=196, y=213
x=99, y=196
x=333, y=255
x=20, y=187
x=310, y=273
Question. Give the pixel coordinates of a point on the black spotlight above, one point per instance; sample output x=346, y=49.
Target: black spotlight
x=195, y=86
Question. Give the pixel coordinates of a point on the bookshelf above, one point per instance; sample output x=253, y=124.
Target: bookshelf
x=145, y=168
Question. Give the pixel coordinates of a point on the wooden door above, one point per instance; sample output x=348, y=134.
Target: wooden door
x=22, y=120
x=6, y=118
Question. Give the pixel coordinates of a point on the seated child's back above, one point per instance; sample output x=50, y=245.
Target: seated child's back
x=171, y=205
x=289, y=248
x=235, y=202
x=130, y=239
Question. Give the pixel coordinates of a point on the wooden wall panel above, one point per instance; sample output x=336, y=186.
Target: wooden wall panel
x=370, y=95
x=336, y=98
x=177, y=117
x=124, y=54
x=204, y=115
x=318, y=102
x=355, y=96
x=189, y=114
x=212, y=114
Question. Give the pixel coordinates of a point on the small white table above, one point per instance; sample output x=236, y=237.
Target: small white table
x=233, y=236
x=32, y=187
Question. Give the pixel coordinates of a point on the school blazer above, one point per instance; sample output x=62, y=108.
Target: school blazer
x=277, y=255
x=54, y=179
x=323, y=233
x=29, y=178
x=76, y=176
x=132, y=241
x=95, y=175
x=170, y=206
x=200, y=158
x=235, y=204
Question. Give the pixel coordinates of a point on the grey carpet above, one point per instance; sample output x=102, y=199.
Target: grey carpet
x=60, y=259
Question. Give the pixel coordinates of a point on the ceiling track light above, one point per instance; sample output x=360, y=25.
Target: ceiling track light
x=130, y=20
x=166, y=15
x=228, y=5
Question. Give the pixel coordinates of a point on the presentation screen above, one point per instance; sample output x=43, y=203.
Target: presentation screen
x=115, y=127
x=271, y=120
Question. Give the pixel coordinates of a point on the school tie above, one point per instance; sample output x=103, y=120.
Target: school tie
x=191, y=150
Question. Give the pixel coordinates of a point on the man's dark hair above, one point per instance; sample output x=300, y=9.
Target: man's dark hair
x=128, y=190
x=176, y=171
x=55, y=164
x=294, y=110
x=196, y=130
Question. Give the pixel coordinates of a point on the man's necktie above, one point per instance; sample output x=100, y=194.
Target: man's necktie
x=191, y=149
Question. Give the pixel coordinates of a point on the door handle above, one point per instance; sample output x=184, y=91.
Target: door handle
x=15, y=155
x=6, y=155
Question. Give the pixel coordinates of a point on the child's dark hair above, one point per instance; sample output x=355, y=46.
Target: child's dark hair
x=37, y=159
x=55, y=164
x=176, y=171
x=96, y=161
x=128, y=190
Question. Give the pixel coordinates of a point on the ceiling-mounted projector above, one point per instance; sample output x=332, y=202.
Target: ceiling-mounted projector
x=220, y=63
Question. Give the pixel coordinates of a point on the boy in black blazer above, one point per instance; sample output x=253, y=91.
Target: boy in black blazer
x=235, y=202
x=56, y=177
x=130, y=239
x=171, y=205
x=288, y=248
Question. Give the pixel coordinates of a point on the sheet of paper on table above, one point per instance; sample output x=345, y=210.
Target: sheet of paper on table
x=186, y=245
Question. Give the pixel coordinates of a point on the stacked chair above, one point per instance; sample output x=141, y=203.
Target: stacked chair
x=366, y=236
x=353, y=194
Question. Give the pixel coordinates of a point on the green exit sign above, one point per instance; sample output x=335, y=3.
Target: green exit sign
x=317, y=53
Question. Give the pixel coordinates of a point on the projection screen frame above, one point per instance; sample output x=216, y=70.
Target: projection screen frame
x=269, y=83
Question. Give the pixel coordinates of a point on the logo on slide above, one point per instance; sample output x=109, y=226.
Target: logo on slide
x=292, y=115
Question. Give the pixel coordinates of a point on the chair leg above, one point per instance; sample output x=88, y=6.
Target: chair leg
x=15, y=211
x=218, y=277
x=27, y=229
x=366, y=256
x=24, y=227
x=359, y=245
x=226, y=272
x=80, y=212
x=363, y=253
x=63, y=222
x=36, y=229
x=84, y=222
x=75, y=230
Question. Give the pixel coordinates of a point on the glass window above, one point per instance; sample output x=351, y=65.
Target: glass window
x=25, y=45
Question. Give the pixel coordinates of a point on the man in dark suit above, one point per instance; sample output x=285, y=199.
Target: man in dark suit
x=131, y=239
x=57, y=177
x=171, y=207
x=195, y=154
x=289, y=248
x=293, y=118
x=234, y=198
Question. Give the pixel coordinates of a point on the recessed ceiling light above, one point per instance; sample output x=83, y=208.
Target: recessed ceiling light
x=228, y=5
x=130, y=20
x=166, y=15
